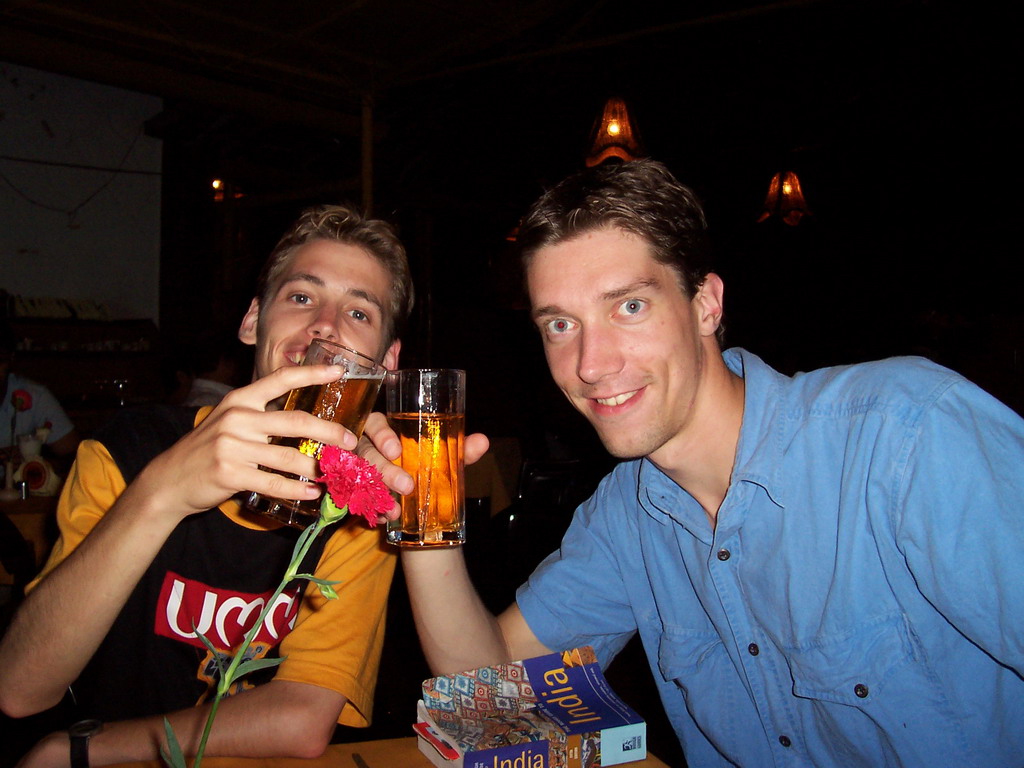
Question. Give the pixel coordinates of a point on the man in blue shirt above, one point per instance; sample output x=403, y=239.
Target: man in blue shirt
x=824, y=570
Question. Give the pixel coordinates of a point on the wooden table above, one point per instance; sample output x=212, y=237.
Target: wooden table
x=387, y=753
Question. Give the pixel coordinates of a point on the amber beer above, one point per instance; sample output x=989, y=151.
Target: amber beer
x=426, y=408
x=433, y=515
x=347, y=401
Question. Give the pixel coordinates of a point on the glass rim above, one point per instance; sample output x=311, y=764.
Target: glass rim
x=396, y=371
x=324, y=342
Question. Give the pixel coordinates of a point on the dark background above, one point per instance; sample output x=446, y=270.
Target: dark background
x=896, y=115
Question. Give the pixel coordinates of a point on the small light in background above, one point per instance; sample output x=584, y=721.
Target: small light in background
x=785, y=199
x=613, y=135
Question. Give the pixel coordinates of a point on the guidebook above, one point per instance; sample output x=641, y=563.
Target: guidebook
x=552, y=711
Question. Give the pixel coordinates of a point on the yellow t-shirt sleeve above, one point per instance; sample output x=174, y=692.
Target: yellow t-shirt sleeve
x=82, y=503
x=337, y=644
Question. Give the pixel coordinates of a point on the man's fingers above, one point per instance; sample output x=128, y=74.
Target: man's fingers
x=394, y=513
x=384, y=439
x=396, y=478
x=299, y=424
x=475, y=447
x=280, y=382
x=284, y=459
x=279, y=486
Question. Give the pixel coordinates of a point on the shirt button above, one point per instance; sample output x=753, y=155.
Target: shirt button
x=753, y=650
x=724, y=554
x=784, y=741
x=860, y=690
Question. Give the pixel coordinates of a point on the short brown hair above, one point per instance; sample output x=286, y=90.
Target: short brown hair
x=342, y=224
x=641, y=197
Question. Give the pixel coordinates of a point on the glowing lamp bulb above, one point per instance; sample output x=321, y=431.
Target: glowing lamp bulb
x=614, y=129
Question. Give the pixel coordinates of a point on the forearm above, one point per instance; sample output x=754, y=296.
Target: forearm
x=456, y=630
x=62, y=622
x=279, y=719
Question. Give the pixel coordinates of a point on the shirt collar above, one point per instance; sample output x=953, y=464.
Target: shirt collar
x=758, y=453
x=760, y=448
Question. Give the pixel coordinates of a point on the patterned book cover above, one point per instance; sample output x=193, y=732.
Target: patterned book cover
x=552, y=711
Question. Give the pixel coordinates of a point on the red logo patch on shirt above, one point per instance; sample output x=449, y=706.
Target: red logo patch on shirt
x=222, y=616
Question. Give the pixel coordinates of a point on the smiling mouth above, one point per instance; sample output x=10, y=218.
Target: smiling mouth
x=616, y=399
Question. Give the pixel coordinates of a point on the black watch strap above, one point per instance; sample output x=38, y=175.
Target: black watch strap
x=80, y=733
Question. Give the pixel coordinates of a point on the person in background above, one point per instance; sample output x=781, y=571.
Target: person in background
x=824, y=569
x=27, y=406
x=153, y=538
x=216, y=364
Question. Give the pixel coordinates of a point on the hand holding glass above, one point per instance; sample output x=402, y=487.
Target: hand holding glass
x=347, y=401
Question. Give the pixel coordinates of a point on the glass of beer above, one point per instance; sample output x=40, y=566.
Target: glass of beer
x=347, y=401
x=427, y=408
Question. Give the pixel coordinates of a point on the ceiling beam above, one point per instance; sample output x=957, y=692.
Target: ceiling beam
x=110, y=68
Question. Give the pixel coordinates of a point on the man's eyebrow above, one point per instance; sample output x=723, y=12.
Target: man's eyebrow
x=303, y=277
x=360, y=293
x=551, y=309
x=637, y=285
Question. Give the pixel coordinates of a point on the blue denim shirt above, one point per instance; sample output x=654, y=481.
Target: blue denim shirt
x=861, y=600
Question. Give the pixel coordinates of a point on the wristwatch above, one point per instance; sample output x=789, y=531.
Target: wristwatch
x=80, y=733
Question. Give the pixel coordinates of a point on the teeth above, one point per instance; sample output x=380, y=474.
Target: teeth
x=617, y=400
x=295, y=359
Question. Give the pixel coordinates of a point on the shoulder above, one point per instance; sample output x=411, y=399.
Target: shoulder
x=35, y=390
x=616, y=496
x=917, y=406
x=135, y=435
x=622, y=483
x=901, y=386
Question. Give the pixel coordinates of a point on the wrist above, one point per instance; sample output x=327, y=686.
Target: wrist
x=79, y=736
x=152, y=503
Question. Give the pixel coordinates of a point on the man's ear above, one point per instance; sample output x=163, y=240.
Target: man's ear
x=708, y=304
x=391, y=356
x=247, y=330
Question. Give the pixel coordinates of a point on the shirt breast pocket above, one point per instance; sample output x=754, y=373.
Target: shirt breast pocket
x=697, y=662
x=872, y=691
x=848, y=669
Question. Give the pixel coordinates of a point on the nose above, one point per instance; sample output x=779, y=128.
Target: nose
x=324, y=325
x=599, y=355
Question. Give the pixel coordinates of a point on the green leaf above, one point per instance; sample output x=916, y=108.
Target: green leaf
x=327, y=591
x=172, y=755
x=301, y=541
x=315, y=579
x=218, y=657
x=254, y=664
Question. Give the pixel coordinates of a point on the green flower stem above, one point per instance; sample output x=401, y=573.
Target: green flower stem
x=227, y=679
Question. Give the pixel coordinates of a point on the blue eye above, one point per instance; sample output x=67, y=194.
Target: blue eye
x=633, y=306
x=299, y=298
x=558, y=326
x=358, y=314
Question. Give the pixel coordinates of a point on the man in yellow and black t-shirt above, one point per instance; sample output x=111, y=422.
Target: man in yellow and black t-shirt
x=154, y=545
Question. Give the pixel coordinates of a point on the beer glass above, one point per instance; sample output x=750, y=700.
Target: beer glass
x=427, y=408
x=347, y=401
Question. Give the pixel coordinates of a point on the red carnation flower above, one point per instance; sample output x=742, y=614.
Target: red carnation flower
x=21, y=399
x=354, y=482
